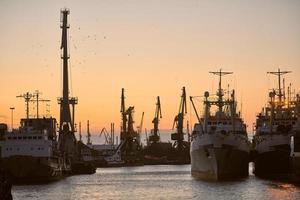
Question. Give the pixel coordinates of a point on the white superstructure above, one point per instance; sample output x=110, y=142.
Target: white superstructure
x=220, y=147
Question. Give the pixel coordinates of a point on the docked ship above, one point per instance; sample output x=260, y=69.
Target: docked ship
x=220, y=146
x=30, y=153
x=275, y=125
x=295, y=147
x=295, y=158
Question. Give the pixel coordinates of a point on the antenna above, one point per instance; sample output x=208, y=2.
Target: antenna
x=279, y=74
x=220, y=93
x=27, y=96
x=37, y=94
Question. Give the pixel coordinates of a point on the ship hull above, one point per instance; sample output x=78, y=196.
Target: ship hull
x=295, y=164
x=272, y=164
x=209, y=163
x=28, y=169
x=272, y=159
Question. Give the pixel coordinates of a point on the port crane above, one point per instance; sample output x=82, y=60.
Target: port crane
x=178, y=137
x=129, y=137
x=89, y=141
x=154, y=135
x=109, y=137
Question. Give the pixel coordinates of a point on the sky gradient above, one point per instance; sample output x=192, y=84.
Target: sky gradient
x=150, y=48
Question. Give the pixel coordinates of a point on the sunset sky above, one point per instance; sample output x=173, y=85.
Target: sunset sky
x=150, y=48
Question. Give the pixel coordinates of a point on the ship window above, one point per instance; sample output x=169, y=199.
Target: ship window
x=219, y=122
x=39, y=137
x=15, y=138
x=215, y=123
x=29, y=137
x=224, y=123
x=9, y=138
x=19, y=138
x=34, y=137
x=209, y=123
x=25, y=137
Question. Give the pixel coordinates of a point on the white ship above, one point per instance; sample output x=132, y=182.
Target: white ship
x=295, y=157
x=295, y=147
x=220, y=147
x=30, y=153
x=274, y=127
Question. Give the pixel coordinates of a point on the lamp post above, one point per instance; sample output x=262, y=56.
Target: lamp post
x=12, y=117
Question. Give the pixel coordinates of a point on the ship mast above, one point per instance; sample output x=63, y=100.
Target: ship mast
x=89, y=142
x=124, y=118
x=27, y=96
x=220, y=92
x=279, y=74
x=37, y=100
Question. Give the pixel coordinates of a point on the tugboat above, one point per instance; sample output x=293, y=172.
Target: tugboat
x=274, y=127
x=30, y=153
x=220, y=147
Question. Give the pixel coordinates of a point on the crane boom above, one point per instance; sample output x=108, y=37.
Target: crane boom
x=191, y=98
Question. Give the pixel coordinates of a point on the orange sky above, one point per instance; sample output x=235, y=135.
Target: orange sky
x=148, y=47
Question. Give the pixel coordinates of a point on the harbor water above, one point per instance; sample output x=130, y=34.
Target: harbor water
x=154, y=182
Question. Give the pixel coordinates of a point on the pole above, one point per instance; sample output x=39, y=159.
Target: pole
x=12, y=117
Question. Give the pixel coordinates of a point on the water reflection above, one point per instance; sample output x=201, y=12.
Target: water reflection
x=155, y=182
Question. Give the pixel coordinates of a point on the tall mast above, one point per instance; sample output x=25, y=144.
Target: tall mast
x=27, y=96
x=89, y=142
x=37, y=100
x=67, y=139
x=278, y=74
x=65, y=114
x=220, y=92
x=124, y=118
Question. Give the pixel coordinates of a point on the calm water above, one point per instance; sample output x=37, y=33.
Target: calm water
x=155, y=182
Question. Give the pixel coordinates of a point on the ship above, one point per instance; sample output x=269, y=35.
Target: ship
x=295, y=147
x=30, y=153
x=219, y=144
x=275, y=125
x=295, y=158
